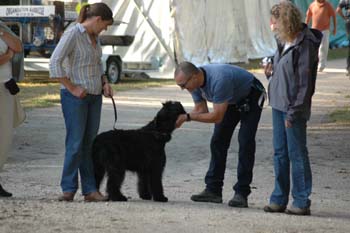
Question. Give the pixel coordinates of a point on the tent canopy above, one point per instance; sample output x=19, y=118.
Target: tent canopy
x=199, y=31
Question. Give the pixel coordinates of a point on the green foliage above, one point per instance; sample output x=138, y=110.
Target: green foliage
x=337, y=53
x=341, y=115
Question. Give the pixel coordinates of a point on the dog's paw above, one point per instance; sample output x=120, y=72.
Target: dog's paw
x=118, y=198
x=160, y=199
x=146, y=196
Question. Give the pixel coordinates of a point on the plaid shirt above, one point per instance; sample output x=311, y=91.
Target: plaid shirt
x=75, y=58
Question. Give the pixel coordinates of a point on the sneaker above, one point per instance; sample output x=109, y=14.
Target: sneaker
x=238, y=201
x=320, y=69
x=298, y=211
x=95, y=197
x=4, y=193
x=207, y=196
x=274, y=208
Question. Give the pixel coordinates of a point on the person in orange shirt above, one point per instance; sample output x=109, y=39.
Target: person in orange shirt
x=320, y=13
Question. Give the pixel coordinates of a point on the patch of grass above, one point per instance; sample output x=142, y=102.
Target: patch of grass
x=39, y=95
x=337, y=53
x=341, y=115
x=133, y=83
x=44, y=94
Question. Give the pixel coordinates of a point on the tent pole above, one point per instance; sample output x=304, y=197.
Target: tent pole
x=167, y=49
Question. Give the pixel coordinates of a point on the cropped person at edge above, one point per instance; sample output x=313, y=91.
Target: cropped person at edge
x=12, y=114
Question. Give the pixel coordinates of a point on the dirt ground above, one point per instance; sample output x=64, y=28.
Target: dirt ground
x=34, y=168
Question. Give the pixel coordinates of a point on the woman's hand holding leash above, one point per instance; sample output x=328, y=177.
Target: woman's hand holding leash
x=107, y=90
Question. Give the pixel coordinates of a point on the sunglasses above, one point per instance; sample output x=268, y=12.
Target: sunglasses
x=183, y=85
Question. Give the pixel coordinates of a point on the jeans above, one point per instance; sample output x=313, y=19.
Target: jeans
x=82, y=120
x=220, y=143
x=290, y=151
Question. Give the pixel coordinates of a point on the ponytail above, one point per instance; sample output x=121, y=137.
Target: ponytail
x=96, y=9
x=83, y=13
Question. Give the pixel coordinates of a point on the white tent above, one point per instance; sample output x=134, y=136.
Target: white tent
x=211, y=31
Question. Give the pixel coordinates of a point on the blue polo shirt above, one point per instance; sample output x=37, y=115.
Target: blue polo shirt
x=223, y=83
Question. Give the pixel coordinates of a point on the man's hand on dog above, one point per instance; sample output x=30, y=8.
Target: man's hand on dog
x=180, y=120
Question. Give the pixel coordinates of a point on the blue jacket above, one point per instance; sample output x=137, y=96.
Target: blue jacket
x=294, y=75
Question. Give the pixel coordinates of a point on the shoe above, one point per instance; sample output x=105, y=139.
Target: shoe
x=238, y=201
x=274, y=208
x=4, y=193
x=207, y=196
x=320, y=69
x=95, y=197
x=298, y=211
x=67, y=196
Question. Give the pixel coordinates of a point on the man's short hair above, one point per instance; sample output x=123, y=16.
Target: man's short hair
x=187, y=68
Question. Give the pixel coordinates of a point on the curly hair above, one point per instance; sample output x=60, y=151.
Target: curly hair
x=289, y=20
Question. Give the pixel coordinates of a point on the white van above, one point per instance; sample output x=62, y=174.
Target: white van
x=112, y=62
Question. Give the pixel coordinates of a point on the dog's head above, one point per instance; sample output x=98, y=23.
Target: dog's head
x=165, y=120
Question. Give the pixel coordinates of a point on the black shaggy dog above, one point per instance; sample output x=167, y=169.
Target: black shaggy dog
x=140, y=150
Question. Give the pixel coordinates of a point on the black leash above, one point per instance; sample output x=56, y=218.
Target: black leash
x=115, y=112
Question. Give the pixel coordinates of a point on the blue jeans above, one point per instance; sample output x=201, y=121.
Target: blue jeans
x=290, y=149
x=82, y=119
x=220, y=143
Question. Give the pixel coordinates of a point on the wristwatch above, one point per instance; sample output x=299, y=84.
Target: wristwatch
x=188, y=117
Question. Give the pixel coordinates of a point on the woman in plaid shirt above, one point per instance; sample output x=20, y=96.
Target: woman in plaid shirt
x=76, y=64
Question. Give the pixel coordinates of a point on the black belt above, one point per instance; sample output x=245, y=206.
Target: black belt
x=257, y=94
x=258, y=91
